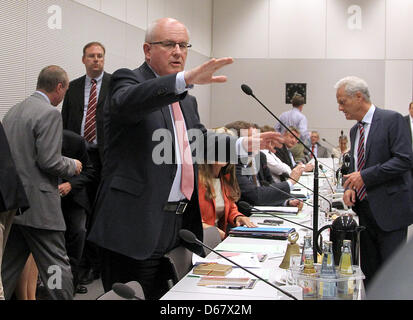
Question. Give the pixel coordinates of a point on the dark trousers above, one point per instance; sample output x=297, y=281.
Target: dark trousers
x=376, y=245
x=75, y=234
x=151, y=273
x=92, y=256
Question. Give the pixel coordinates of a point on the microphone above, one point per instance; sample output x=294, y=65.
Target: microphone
x=286, y=176
x=124, y=291
x=328, y=142
x=189, y=237
x=248, y=208
x=345, y=167
x=248, y=91
x=325, y=176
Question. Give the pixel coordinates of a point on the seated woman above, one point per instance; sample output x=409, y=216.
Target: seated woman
x=218, y=192
x=342, y=148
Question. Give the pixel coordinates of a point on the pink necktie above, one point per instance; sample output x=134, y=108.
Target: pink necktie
x=187, y=176
x=90, y=124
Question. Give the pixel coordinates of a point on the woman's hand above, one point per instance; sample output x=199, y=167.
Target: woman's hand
x=244, y=221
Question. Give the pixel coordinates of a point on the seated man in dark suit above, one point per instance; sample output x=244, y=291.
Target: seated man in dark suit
x=75, y=202
x=259, y=188
x=254, y=177
x=284, y=153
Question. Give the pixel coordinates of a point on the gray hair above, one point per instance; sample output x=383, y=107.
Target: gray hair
x=153, y=26
x=50, y=77
x=352, y=85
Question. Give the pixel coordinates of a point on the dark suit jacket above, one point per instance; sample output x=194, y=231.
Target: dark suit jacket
x=387, y=171
x=134, y=189
x=74, y=103
x=409, y=124
x=12, y=194
x=283, y=155
x=74, y=146
x=264, y=194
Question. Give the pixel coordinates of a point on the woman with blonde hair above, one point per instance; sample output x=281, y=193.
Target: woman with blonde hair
x=218, y=193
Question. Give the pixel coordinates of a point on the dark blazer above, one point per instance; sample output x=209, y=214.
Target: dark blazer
x=387, y=171
x=134, y=189
x=74, y=103
x=409, y=124
x=283, y=154
x=74, y=146
x=12, y=194
x=263, y=194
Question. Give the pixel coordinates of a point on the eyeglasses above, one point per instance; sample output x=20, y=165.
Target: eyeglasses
x=170, y=45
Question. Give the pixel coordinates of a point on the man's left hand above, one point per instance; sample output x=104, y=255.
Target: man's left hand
x=353, y=181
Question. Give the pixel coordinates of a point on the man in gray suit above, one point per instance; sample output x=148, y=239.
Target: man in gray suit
x=34, y=130
x=319, y=150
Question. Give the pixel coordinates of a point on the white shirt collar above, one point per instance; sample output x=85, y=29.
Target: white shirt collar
x=368, y=117
x=44, y=95
x=88, y=79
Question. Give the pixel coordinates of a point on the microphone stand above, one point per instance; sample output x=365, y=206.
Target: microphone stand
x=247, y=90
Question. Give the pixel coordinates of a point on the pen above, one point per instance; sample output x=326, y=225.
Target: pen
x=224, y=287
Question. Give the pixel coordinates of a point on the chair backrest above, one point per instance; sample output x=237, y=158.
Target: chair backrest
x=211, y=238
x=134, y=285
x=180, y=259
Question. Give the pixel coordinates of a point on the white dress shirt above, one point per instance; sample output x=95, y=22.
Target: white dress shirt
x=367, y=119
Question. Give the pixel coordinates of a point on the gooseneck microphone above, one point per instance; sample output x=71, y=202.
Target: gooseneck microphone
x=189, y=237
x=328, y=142
x=246, y=207
x=124, y=291
x=248, y=91
x=325, y=176
x=287, y=176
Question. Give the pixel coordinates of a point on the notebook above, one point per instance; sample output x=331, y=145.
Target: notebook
x=264, y=233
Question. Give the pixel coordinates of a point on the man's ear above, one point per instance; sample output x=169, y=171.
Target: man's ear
x=147, y=51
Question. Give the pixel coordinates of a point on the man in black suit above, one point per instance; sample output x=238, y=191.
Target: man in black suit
x=379, y=187
x=12, y=195
x=409, y=120
x=75, y=202
x=82, y=113
x=284, y=153
x=142, y=203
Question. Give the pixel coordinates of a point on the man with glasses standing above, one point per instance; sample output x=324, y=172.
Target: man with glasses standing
x=142, y=205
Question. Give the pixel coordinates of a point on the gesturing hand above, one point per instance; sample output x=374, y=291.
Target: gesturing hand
x=204, y=73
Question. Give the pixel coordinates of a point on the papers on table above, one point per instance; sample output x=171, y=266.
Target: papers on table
x=251, y=248
x=278, y=210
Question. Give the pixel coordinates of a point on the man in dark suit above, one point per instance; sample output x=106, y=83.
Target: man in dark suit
x=409, y=121
x=284, y=153
x=379, y=187
x=142, y=203
x=75, y=202
x=12, y=195
x=82, y=113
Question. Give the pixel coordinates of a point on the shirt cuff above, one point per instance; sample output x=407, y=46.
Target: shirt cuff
x=180, y=84
x=241, y=152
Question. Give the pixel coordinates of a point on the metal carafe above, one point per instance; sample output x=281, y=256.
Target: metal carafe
x=343, y=227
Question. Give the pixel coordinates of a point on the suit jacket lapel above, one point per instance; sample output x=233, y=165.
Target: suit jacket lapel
x=103, y=89
x=375, y=124
x=148, y=74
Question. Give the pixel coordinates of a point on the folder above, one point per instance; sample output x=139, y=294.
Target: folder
x=264, y=233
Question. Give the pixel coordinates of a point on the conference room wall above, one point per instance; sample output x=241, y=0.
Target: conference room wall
x=267, y=78
x=29, y=43
x=312, y=31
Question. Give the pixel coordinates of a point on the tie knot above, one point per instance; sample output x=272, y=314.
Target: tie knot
x=93, y=81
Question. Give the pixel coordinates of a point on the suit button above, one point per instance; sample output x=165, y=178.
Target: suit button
x=161, y=91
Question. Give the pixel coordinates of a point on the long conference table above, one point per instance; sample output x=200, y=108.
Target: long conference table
x=187, y=288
